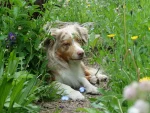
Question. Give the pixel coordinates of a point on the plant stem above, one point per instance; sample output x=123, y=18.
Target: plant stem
x=119, y=106
x=124, y=19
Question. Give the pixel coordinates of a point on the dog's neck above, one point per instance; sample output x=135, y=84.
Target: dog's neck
x=74, y=63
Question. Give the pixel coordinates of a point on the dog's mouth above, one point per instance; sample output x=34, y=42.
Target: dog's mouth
x=77, y=59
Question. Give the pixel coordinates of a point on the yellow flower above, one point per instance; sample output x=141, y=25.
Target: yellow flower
x=111, y=35
x=134, y=37
x=88, y=5
x=144, y=79
x=124, y=6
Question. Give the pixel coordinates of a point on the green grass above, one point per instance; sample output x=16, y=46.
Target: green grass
x=128, y=61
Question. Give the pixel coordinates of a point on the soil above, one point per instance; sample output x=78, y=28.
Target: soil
x=69, y=106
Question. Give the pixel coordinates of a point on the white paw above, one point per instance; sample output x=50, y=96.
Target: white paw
x=93, y=80
x=76, y=95
x=92, y=89
x=102, y=77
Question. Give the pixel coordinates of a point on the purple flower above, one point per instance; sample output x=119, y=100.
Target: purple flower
x=11, y=36
x=11, y=40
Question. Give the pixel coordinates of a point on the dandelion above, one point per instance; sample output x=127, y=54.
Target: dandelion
x=88, y=5
x=111, y=35
x=134, y=37
x=144, y=79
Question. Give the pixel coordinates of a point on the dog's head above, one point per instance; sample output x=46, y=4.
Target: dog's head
x=67, y=42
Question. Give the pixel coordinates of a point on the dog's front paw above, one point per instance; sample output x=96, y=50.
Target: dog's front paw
x=93, y=79
x=92, y=90
x=76, y=95
x=102, y=78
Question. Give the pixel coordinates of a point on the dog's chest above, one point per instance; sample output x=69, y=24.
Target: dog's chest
x=71, y=76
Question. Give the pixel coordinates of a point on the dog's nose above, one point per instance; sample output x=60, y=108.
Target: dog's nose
x=80, y=53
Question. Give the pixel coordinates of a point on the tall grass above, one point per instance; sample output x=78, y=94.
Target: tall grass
x=122, y=58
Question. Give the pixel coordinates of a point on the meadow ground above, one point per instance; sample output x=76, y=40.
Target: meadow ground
x=118, y=43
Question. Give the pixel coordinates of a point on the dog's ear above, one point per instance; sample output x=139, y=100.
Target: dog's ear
x=49, y=42
x=54, y=32
x=83, y=32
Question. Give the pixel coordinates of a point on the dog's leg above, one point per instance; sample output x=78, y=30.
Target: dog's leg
x=88, y=86
x=89, y=77
x=67, y=90
x=93, y=75
x=98, y=74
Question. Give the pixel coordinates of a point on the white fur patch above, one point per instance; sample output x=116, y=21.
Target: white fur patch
x=71, y=76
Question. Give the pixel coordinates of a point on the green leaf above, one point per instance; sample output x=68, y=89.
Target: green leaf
x=15, y=12
x=20, y=3
x=2, y=37
x=15, y=92
x=5, y=89
x=89, y=110
x=32, y=108
x=1, y=63
x=12, y=64
x=25, y=92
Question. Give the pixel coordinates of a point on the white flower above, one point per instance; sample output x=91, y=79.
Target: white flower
x=133, y=110
x=64, y=98
x=82, y=89
x=142, y=106
x=131, y=91
x=144, y=86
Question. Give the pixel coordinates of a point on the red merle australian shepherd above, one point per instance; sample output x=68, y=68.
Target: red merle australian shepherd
x=65, y=56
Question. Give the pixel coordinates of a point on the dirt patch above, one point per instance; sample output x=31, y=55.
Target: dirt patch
x=64, y=106
x=69, y=106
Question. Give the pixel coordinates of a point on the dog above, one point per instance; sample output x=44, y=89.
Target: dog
x=65, y=54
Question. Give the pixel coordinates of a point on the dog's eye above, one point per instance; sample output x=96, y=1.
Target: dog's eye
x=80, y=41
x=66, y=44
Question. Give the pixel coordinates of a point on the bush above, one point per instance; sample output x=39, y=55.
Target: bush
x=23, y=62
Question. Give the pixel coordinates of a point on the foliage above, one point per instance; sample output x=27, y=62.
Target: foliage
x=16, y=87
x=125, y=60
x=20, y=37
